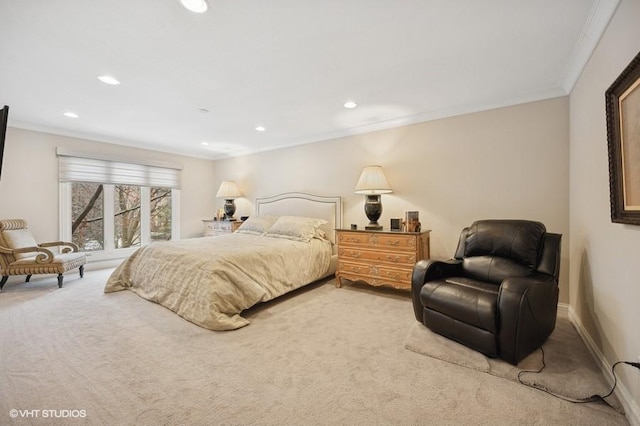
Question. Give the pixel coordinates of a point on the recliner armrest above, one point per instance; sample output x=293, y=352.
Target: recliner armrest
x=527, y=309
x=427, y=270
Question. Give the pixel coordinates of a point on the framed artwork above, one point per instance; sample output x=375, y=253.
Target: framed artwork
x=623, y=137
x=4, y=118
x=412, y=221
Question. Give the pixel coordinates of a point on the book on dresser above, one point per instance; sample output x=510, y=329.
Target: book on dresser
x=380, y=257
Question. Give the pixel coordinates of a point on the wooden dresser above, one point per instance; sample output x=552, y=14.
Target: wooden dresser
x=380, y=257
x=219, y=227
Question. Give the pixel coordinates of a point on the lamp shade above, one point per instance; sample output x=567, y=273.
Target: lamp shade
x=228, y=190
x=372, y=181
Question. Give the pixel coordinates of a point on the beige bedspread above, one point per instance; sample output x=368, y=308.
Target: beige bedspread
x=209, y=281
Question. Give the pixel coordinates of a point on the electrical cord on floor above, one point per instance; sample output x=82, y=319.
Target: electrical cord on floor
x=592, y=398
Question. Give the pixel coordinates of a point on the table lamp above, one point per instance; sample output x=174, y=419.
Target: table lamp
x=229, y=191
x=372, y=183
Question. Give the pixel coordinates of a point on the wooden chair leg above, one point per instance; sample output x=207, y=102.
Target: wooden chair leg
x=81, y=271
x=60, y=278
x=28, y=278
x=4, y=280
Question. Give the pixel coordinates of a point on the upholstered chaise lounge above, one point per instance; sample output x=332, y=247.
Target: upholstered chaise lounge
x=499, y=294
x=20, y=254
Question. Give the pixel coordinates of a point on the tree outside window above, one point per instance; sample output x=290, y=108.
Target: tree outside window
x=160, y=214
x=126, y=216
x=87, y=205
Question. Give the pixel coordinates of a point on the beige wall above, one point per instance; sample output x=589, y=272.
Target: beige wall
x=504, y=163
x=29, y=181
x=605, y=266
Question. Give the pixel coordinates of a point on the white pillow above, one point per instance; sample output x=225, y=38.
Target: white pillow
x=257, y=225
x=296, y=228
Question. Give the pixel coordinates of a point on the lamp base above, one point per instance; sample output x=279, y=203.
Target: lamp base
x=373, y=210
x=229, y=210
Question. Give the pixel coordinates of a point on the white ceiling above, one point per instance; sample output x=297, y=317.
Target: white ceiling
x=286, y=65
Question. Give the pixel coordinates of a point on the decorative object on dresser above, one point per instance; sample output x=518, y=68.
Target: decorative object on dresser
x=380, y=257
x=372, y=183
x=219, y=227
x=229, y=191
x=412, y=222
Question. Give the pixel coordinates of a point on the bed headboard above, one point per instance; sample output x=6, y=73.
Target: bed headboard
x=302, y=204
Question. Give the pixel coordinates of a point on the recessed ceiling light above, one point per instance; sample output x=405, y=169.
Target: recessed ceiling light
x=350, y=104
x=196, y=6
x=71, y=114
x=204, y=143
x=107, y=79
x=203, y=110
x=260, y=129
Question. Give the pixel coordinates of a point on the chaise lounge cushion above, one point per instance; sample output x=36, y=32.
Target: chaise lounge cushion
x=60, y=264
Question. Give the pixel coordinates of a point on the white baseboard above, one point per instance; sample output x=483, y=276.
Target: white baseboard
x=563, y=309
x=94, y=264
x=631, y=407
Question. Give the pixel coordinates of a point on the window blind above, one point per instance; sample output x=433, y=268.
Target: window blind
x=76, y=168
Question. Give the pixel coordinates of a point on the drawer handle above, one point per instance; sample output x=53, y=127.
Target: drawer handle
x=393, y=242
x=356, y=254
x=393, y=258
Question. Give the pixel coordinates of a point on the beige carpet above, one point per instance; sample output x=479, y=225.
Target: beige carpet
x=323, y=356
x=569, y=369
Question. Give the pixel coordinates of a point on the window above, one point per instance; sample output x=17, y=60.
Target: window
x=160, y=214
x=110, y=207
x=87, y=215
x=126, y=216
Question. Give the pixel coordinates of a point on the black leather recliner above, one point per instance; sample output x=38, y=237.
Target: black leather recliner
x=499, y=294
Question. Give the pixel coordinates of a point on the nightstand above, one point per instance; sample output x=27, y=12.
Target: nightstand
x=219, y=227
x=380, y=257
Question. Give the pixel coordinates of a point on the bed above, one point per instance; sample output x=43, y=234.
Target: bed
x=288, y=243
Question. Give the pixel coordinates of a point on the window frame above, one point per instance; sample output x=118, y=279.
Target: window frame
x=109, y=251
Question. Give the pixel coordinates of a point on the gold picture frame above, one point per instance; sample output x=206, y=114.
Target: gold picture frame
x=623, y=138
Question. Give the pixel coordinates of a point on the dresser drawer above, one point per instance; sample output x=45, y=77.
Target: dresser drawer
x=376, y=274
x=394, y=257
x=402, y=242
x=353, y=238
x=219, y=227
x=222, y=226
x=373, y=240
